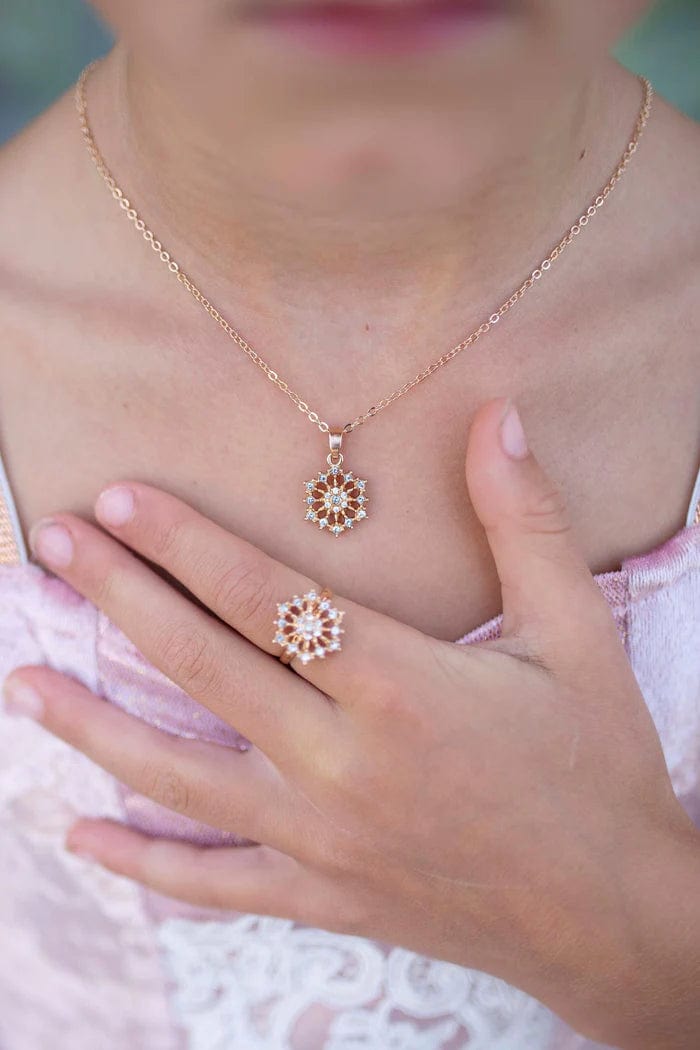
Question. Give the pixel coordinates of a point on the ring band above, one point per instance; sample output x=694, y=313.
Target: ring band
x=308, y=626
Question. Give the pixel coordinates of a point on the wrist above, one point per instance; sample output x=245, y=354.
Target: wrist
x=653, y=1001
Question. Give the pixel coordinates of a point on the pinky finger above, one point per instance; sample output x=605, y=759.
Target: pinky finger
x=255, y=879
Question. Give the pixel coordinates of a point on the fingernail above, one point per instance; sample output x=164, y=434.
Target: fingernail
x=513, y=440
x=21, y=699
x=115, y=506
x=52, y=543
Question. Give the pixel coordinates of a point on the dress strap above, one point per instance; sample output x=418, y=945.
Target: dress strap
x=694, y=508
x=13, y=550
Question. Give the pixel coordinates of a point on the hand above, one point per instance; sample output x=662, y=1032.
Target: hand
x=505, y=806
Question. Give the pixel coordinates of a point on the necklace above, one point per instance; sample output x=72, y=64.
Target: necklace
x=336, y=500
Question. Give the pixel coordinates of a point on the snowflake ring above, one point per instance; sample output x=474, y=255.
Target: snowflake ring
x=308, y=626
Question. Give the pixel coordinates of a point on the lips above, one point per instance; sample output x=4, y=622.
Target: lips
x=374, y=27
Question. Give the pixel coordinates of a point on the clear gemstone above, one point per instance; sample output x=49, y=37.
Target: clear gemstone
x=309, y=486
x=361, y=484
x=348, y=477
x=335, y=469
x=360, y=499
x=305, y=657
x=310, y=499
x=336, y=500
x=348, y=523
x=334, y=645
x=320, y=652
x=308, y=626
x=311, y=515
x=335, y=630
x=280, y=639
x=325, y=604
x=337, y=529
x=323, y=477
x=283, y=608
x=323, y=522
x=361, y=513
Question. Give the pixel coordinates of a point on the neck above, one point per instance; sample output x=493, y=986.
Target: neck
x=353, y=246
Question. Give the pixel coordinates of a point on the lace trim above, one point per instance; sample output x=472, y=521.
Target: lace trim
x=257, y=982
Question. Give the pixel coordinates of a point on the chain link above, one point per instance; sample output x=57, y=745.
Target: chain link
x=165, y=257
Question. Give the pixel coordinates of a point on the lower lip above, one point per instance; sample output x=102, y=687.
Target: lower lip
x=357, y=29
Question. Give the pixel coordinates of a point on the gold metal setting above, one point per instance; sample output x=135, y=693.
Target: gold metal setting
x=308, y=627
x=335, y=499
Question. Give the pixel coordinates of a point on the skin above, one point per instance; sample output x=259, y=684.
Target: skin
x=351, y=258
x=418, y=723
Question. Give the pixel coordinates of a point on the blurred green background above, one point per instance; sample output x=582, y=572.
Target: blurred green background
x=45, y=43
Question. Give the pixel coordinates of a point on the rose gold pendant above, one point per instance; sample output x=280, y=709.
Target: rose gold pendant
x=335, y=499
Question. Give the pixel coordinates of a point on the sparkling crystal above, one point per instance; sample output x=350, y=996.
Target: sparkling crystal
x=280, y=639
x=282, y=608
x=320, y=652
x=335, y=630
x=325, y=605
x=305, y=657
x=335, y=500
x=334, y=646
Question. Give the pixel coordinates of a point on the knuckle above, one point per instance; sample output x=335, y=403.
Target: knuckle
x=387, y=701
x=547, y=512
x=168, y=541
x=105, y=588
x=241, y=593
x=186, y=656
x=167, y=787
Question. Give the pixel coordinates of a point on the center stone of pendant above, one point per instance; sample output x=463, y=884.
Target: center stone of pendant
x=309, y=626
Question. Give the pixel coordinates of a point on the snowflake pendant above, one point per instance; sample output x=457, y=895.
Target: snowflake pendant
x=335, y=499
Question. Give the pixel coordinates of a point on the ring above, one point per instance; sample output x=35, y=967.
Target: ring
x=308, y=627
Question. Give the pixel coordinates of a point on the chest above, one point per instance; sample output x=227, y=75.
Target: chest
x=199, y=420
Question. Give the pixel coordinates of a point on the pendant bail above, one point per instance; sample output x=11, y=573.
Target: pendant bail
x=335, y=440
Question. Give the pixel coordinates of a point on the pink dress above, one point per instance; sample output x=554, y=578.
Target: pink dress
x=90, y=961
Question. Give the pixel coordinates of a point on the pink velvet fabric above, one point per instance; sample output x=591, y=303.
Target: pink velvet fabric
x=90, y=961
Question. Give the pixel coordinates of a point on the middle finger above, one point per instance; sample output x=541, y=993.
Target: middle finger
x=279, y=712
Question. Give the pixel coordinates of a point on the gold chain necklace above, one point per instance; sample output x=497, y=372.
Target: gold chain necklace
x=336, y=500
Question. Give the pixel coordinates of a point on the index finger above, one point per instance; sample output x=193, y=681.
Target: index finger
x=243, y=586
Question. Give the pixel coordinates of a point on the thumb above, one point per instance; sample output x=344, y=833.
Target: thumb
x=548, y=592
